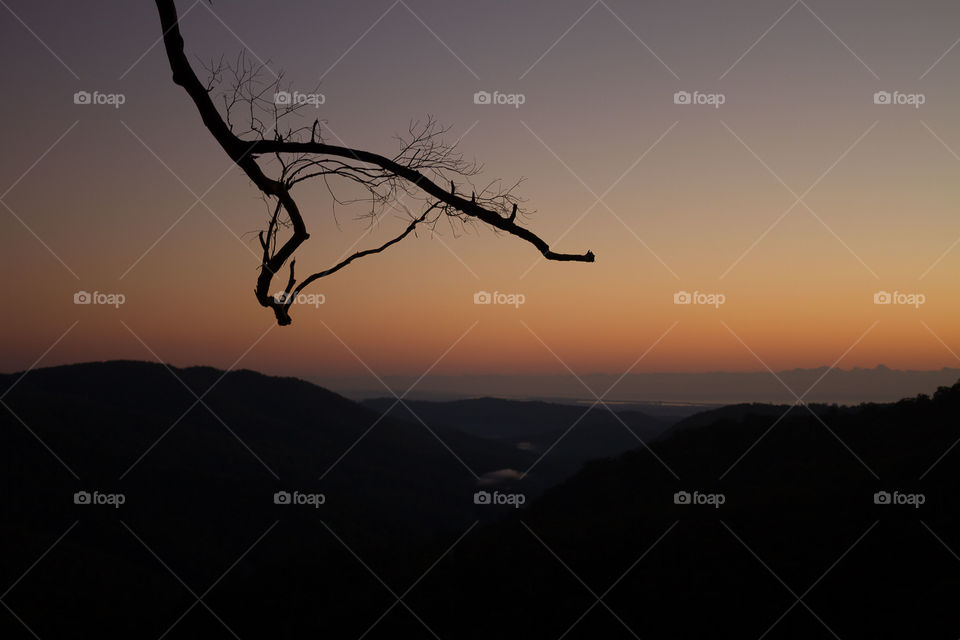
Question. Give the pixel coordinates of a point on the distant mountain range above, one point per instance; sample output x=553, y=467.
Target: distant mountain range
x=292, y=511
x=646, y=391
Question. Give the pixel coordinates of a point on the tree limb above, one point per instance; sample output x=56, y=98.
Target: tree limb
x=405, y=166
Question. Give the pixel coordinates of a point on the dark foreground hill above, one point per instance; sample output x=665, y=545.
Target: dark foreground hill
x=572, y=434
x=842, y=524
x=198, y=481
x=777, y=534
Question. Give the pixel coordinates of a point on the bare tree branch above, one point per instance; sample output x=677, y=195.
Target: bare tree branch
x=363, y=254
x=423, y=161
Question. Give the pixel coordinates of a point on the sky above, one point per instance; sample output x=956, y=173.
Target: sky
x=787, y=195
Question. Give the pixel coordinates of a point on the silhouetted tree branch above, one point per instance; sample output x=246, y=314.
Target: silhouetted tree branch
x=422, y=164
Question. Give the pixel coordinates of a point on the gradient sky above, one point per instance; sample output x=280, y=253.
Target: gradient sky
x=799, y=111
